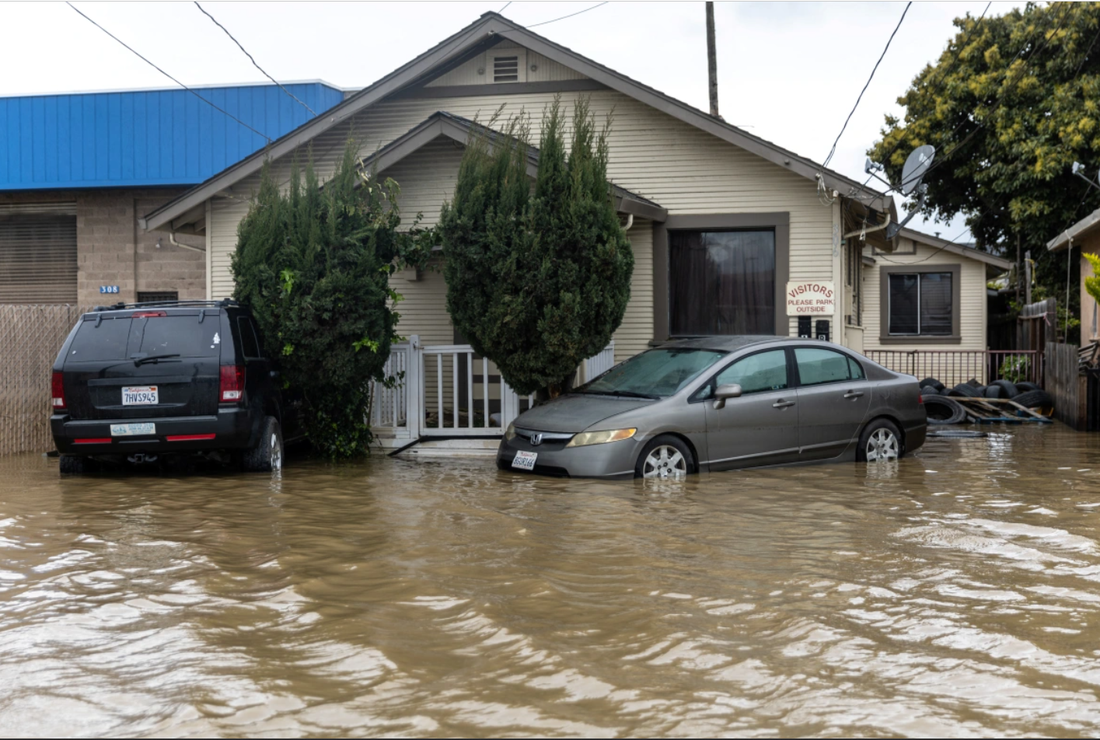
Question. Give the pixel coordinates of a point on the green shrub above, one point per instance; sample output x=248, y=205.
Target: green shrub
x=313, y=264
x=536, y=281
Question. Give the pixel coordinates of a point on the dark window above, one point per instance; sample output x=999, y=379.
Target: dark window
x=157, y=296
x=722, y=282
x=765, y=371
x=921, y=304
x=817, y=366
x=37, y=257
x=249, y=344
x=107, y=341
x=179, y=335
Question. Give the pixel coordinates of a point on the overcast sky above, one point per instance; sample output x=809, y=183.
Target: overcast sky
x=787, y=72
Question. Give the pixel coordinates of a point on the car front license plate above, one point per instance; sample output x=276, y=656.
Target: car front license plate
x=525, y=460
x=132, y=430
x=140, y=395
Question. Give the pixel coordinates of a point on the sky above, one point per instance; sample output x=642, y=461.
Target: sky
x=787, y=72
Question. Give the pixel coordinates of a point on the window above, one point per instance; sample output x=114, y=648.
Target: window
x=817, y=366
x=722, y=282
x=157, y=296
x=654, y=374
x=101, y=339
x=38, y=253
x=506, y=69
x=249, y=344
x=921, y=304
x=178, y=335
x=765, y=371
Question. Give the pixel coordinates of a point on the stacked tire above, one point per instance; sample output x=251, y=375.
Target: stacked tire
x=942, y=408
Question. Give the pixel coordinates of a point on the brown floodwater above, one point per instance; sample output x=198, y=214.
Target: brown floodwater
x=956, y=593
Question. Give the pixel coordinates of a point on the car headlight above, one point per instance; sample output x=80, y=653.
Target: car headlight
x=598, y=438
x=510, y=432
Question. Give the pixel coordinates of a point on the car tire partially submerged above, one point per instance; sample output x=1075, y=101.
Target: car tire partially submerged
x=665, y=456
x=879, y=442
x=267, y=455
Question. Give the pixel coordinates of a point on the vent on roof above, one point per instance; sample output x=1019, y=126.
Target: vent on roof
x=506, y=69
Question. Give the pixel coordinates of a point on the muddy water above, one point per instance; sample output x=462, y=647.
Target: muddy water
x=955, y=593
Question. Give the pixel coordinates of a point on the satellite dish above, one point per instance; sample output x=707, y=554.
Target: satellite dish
x=915, y=167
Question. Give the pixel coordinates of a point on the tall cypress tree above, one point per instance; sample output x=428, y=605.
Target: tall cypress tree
x=537, y=282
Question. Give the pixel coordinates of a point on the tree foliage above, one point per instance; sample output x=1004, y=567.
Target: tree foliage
x=1092, y=283
x=1011, y=103
x=313, y=264
x=537, y=281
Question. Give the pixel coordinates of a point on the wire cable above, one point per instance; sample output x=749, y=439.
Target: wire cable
x=505, y=7
x=251, y=59
x=555, y=20
x=173, y=79
x=881, y=56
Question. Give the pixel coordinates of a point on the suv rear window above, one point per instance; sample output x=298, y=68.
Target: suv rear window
x=104, y=342
x=178, y=335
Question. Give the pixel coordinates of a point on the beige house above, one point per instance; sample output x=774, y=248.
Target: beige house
x=1084, y=234
x=721, y=221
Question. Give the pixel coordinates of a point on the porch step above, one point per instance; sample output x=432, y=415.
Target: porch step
x=482, y=448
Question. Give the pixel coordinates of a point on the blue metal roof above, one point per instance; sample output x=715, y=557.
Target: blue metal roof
x=140, y=138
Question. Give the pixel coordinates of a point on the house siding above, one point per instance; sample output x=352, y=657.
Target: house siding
x=972, y=323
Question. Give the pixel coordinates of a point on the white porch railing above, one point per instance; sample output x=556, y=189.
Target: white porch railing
x=446, y=390
x=599, y=363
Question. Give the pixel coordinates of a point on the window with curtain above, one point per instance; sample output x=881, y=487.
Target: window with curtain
x=721, y=282
x=921, y=304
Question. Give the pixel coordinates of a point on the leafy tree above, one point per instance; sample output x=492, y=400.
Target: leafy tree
x=1012, y=102
x=536, y=281
x=313, y=264
x=1092, y=284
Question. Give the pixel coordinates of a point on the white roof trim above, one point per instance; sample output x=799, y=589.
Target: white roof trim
x=1082, y=227
x=489, y=25
x=946, y=246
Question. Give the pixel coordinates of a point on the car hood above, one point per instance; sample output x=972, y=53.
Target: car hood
x=573, y=414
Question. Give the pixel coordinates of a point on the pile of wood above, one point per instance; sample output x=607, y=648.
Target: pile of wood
x=1088, y=356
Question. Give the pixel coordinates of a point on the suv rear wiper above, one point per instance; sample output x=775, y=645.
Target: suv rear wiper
x=151, y=358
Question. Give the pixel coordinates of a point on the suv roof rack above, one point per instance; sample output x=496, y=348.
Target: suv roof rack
x=121, y=306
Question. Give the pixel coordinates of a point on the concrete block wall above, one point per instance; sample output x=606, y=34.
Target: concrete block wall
x=113, y=250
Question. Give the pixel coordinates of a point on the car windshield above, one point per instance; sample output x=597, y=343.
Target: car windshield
x=654, y=374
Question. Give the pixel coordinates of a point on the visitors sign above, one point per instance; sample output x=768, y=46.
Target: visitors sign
x=811, y=297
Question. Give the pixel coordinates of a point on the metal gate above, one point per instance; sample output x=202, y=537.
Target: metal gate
x=450, y=391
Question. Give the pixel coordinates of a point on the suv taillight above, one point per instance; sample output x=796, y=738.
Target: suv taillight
x=231, y=387
x=57, y=387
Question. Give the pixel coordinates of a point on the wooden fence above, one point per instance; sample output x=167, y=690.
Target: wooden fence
x=1067, y=385
x=30, y=337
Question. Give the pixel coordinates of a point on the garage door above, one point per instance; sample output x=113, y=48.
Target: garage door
x=38, y=253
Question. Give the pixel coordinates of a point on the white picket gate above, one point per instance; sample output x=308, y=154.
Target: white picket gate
x=448, y=391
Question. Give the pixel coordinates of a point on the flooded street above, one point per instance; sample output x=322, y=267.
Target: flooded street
x=953, y=594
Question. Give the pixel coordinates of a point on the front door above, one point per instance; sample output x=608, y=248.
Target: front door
x=760, y=427
x=833, y=398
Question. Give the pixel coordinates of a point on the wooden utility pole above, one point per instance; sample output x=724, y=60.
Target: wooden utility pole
x=712, y=62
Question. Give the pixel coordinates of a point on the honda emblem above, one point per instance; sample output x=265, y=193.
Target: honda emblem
x=536, y=440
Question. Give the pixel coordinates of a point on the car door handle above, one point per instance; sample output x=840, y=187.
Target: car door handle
x=853, y=394
x=781, y=404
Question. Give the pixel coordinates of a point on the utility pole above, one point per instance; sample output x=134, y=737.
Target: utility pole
x=712, y=62
x=1027, y=278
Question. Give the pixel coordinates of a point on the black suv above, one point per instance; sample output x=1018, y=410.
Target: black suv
x=143, y=381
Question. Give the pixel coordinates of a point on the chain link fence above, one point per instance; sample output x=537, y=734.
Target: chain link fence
x=30, y=338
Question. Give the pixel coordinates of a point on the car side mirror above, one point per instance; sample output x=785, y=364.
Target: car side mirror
x=723, y=392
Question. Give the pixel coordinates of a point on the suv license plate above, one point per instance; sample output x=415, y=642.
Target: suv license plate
x=140, y=395
x=132, y=430
x=525, y=460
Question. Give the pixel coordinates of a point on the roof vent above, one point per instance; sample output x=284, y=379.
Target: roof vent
x=506, y=69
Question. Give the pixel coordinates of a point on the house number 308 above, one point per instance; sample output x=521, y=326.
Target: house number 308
x=108, y=289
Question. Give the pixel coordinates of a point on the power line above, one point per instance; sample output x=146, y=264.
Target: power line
x=555, y=20
x=173, y=79
x=254, y=64
x=505, y=7
x=881, y=56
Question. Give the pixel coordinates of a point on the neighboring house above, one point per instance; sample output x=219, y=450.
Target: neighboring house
x=1084, y=234
x=719, y=219
x=928, y=294
x=77, y=170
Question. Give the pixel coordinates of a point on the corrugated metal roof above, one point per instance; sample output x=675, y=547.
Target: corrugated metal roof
x=142, y=138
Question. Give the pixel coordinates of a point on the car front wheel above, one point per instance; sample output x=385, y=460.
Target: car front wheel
x=880, y=441
x=664, y=457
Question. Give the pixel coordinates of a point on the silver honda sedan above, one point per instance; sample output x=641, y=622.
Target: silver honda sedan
x=719, y=403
